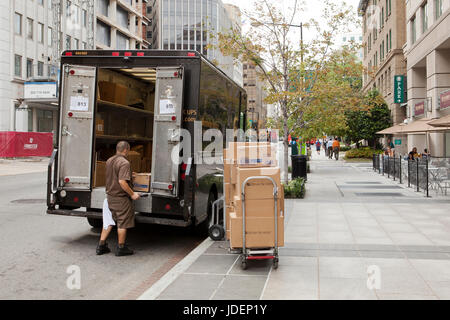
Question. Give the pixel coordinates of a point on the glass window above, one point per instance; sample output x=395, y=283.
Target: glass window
x=390, y=40
x=103, y=33
x=425, y=17
x=102, y=6
x=40, y=33
x=41, y=2
x=49, y=36
x=413, y=30
x=122, y=17
x=30, y=28
x=84, y=45
x=18, y=65
x=68, y=9
x=123, y=42
x=77, y=44
x=84, y=18
x=29, y=68
x=18, y=23
x=438, y=8
x=68, y=42
x=40, y=69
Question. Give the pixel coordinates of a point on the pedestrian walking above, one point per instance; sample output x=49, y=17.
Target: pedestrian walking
x=294, y=147
x=336, y=148
x=318, y=146
x=120, y=198
x=330, y=149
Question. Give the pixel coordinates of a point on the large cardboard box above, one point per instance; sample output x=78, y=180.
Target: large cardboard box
x=146, y=164
x=258, y=189
x=112, y=92
x=135, y=161
x=260, y=232
x=256, y=156
x=141, y=182
x=258, y=208
x=100, y=174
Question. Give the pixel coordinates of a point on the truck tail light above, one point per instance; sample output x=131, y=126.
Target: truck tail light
x=167, y=207
x=183, y=171
x=75, y=199
x=115, y=54
x=127, y=54
x=66, y=180
x=140, y=54
x=68, y=54
x=191, y=54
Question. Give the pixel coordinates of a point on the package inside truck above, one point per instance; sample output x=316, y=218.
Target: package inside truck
x=125, y=105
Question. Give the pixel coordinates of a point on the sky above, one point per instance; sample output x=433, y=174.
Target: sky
x=312, y=9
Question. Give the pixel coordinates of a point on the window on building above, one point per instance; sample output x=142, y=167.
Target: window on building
x=68, y=9
x=49, y=36
x=413, y=30
x=40, y=69
x=103, y=6
x=122, y=17
x=84, y=18
x=438, y=8
x=18, y=65
x=41, y=2
x=17, y=23
x=390, y=6
x=68, y=42
x=424, y=17
x=103, y=33
x=30, y=28
x=29, y=68
x=123, y=42
x=84, y=45
x=40, y=33
x=77, y=44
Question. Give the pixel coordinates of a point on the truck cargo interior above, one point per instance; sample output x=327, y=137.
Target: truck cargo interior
x=124, y=111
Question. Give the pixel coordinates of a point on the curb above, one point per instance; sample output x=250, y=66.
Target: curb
x=156, y=289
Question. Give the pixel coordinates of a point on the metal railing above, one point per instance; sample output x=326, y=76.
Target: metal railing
x=422, y=174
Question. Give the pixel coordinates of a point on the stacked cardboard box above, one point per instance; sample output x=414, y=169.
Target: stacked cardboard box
x=241, y=161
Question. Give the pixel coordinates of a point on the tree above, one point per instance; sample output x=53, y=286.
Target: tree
x=373, y=117
x=283, y=66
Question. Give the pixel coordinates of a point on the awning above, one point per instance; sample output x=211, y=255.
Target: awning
x=442, y=122
x=392, y=130
x=417, y=126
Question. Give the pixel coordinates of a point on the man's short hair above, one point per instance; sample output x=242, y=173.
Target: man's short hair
x=122, y=146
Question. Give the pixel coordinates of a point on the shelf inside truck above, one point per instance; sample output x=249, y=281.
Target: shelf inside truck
x=121, y=107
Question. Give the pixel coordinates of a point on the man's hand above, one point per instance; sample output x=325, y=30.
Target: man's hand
x=135, y=196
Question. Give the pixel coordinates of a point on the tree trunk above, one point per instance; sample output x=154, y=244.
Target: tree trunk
x=286, y=153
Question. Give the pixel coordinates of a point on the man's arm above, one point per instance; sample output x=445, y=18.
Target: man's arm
x=125, y=187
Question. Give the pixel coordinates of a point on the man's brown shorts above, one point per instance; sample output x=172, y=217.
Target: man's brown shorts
x=122, y=210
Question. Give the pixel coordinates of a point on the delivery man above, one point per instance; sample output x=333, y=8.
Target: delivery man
x=120, y=198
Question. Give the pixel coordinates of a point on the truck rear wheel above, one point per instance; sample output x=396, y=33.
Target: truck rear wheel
x=95, y=223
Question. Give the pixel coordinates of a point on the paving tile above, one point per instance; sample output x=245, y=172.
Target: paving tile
x=370, y=232
x=345, y=289
x=386, y=296
x=441, y=289
x=382, y=254
x=351, y=267
x=292, y=283
x=398, y=227
x=368, y=240
x=409, y=238
x=189, y=284
x=433, y=270
x=255, y=267
x=363, y=222
x=335, y=237
x=241, y=288
x=428, y=255
x=217, y=264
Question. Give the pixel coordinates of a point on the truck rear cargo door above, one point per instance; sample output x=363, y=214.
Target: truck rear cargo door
x=76, y=127
x=166, y=134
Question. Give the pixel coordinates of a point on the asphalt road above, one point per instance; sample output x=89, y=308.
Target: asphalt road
x=37, y=249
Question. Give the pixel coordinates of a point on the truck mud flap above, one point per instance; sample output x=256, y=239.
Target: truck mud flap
x=139, y=218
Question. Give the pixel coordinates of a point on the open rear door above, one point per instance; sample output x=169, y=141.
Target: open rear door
x=76, y=127
x=166, y=131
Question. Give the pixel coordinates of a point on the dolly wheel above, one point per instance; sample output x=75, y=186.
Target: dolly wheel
x=216, y=232
x=275, y=263
x=244, y=264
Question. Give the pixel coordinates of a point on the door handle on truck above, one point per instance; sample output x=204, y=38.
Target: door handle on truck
x=66, y=132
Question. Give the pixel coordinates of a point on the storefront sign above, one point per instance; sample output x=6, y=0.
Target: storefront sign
x=399, y=89
x=445, y=99
x=419, y=109
x=398, y=142
x=40, y=90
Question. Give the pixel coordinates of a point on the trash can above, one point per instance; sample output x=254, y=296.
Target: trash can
x=299, y=164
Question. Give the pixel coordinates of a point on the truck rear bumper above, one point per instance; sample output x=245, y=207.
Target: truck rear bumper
x=139, y=218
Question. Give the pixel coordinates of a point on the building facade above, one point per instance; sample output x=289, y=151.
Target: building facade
x=33, y=33
x=428, y=67
x=189, y=25
x=256, y=107
x=351, y=39
x=384, y=36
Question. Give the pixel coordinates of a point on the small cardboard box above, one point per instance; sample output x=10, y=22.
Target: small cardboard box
x=141, y=182
x=113, y=92
x=229, y=193
x=135, y=161
x=260, y=232
x=264, y=208
x=258, y=189
x=99, y=126
x=100, y=174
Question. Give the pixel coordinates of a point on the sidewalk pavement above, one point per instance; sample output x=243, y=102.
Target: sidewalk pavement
x=10, y=167
x=351, y=222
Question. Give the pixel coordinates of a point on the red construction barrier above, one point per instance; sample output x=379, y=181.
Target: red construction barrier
x=25, y=144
